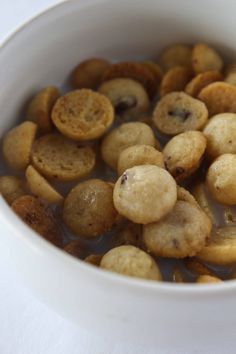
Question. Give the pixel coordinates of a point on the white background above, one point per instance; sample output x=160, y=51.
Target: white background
x=28, y=326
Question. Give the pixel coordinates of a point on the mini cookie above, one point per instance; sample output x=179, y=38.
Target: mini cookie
x=177, y=112
x=144, y=194
x=89, y=73
x=127, y=96
x=131, y=261
x=207, y=279
x=186, y=196
x=40, y=187
x=196, y=267
x=178, y=54
x=88, y=209
x=182, y=233
x=221, y=178
x=35, y=215
x=220, y=247
x=175, y=79
x=11, y=188
x=135, y=71
x=17, y=145
x=94, y=259
x=200, y=194
x=126, y=135
x=139, y=155
x=130, y=235
x=183, y=154
x=205, y=58
x=220, y=132
x=155, y=70
x=75, y=249
x=83, y=114
x=219, y=97
x=59, y=158
x=40, y=108
x=200, y=81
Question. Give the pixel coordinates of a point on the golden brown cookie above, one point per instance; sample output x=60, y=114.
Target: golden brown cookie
x=182, y=233
x=131, y=261
x=83, y=114
x=177, y=54
x=205, y=58
x=11, y=188
x=175, y=79
x=155, y=70
x=178, y=112
x=94, y=259
x=201, y=80
x=139, y=155
x=88, y=209
x=219, y=97
x=196, y=267
x=231, y=78
x=126, y=135
x=127, y=96
x=135, y=71
x=144, y=194
x=200, y=193
x=75, y=248
x=208, y=279
x=89, y=73
x=35, y=215
x=62, y=159
x=17, y=145
x=40, y=108
x=183, y=153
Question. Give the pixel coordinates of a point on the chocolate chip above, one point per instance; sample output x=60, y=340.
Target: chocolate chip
x=125, y=103
x=124, y=178
x=179, y=171
x=175, y=243
x=182, y=114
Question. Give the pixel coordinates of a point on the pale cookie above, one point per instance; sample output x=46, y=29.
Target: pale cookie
x=40, y=187
x=17, y=145
x=182, y=233
x=139, y=155
x=126, y=135
x=175, y=79
x=89, y=73
x=135, y=71
x=131, y=261
x=178, y=54
x=40, y=108
x=221, y=177
x=208, y=279
x=94, y=259
x=199, y=192
x=35, y=215
x=155, y=70
x=200, y=81
x=83, y=114
x=183, y=154
x=178, y=112
x=62, y=159
x=219, y=97
x=145, y=194
x=11, y=188
x=220, y=247
x=127, y=96
x=75, y=249
x=88, y=209
x=220, y=132
x=205, y=58
x=231, y=78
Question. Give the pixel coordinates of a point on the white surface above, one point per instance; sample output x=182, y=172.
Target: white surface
x=27, y=326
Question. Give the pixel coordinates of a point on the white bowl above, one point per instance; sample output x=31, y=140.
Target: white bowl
x=43, y=52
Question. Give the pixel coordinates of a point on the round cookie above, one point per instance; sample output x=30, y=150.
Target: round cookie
x=127, y=96
x=220, y=132
x=126, y=135
x=144, y=194
x=182, y=233
x=83, y=114
x=11, y=188
x=88, y=209
x=221, y=177
x=205, y=58
x=197, y=268
x=186, y=196
x=40, y=108
x=155, y=70
x=200, y=193
x=35, y=215
x=183, y=153
x=178, y=112
x=131, y=261
x=139, y=155
x=201, y=80
x=178, y=54
x=208, y=279
x=62, y=159
x=94, y=259
x=175, y=79
x=17, y=145
x=89, y=73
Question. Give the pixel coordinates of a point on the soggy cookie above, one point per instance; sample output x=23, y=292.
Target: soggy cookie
x=177, y=112
x=83, y=114
x=144, y=194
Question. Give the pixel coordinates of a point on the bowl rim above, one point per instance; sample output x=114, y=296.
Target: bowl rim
x=32, y=239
